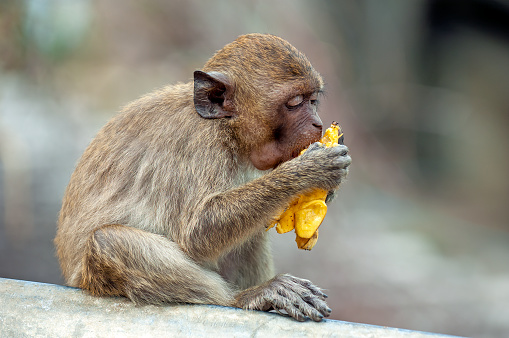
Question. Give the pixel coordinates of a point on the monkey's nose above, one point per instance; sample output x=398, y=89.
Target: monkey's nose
x=317, y=122
x=318, y=129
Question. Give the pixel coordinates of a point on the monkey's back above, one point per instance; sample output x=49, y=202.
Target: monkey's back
x=135, y=172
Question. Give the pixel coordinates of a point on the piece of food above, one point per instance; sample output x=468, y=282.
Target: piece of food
x=306, y=213
x=307, y=243
x=309, y=217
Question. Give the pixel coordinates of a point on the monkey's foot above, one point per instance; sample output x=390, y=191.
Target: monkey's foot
x=299, y=298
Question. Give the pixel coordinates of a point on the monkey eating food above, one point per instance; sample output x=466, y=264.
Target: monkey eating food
x=170, y=201
x=306, y=213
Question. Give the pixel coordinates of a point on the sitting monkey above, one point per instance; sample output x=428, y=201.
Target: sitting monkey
x=170, y=201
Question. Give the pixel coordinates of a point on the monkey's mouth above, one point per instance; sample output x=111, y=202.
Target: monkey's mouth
x=298, y=151
x=292, y=155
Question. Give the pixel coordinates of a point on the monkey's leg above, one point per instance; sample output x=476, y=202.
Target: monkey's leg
x=147, y=268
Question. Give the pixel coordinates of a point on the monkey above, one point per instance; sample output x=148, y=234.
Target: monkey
x=170, y=201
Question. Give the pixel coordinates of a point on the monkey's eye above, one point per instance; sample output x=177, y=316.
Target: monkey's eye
x=295, y=102
x=313, y=99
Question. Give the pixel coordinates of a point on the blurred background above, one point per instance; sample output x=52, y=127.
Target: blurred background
x=419, y=235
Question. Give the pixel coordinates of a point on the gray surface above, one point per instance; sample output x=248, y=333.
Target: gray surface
x=40, y=310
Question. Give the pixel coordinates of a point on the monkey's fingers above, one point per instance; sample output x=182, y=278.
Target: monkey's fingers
x=313, y=308
x=319, y=305
x=284, y=302
x=330, y=196
x=337, y=151
x=287, y=295
x=315, y=290
x=295, y=306
x=313, y=147
x=306, y=298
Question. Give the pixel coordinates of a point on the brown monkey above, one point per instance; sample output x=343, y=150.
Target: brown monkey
x=170, y=201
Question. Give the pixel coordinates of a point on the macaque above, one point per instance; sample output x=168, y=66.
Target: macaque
x=170, y=201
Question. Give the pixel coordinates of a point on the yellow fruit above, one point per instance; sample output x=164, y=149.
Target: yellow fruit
x=286, y=222
x=306, y=213
x=309, y=218
x=307, y=243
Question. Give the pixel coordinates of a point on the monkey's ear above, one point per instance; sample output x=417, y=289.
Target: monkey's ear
x=212, y=95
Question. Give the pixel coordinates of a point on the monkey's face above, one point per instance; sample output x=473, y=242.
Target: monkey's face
x=274, y=122
x=296, y=126
x=267, y=92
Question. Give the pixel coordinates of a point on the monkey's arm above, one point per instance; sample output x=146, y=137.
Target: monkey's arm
x=225, y=219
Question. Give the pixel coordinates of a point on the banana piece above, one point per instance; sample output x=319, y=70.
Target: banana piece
x=309, y=217
x=307, y=243
x=306, y=213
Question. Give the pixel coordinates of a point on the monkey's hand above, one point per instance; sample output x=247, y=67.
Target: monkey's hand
x=324, y=167
x=307, y=211
x=332, y=137
x=331, y=195
x=299, y=298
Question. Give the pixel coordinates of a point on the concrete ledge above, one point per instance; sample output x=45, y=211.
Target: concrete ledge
x=46, y=310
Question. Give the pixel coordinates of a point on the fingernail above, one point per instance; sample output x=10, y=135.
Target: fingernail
x=329, y=310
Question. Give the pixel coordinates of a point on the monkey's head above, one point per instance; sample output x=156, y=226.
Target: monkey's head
x=267, y=92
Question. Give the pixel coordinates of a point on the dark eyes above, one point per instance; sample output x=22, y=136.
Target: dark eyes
x=299, y=100
x=313, y=99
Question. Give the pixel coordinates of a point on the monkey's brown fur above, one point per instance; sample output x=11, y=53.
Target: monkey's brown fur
x=167, y=206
